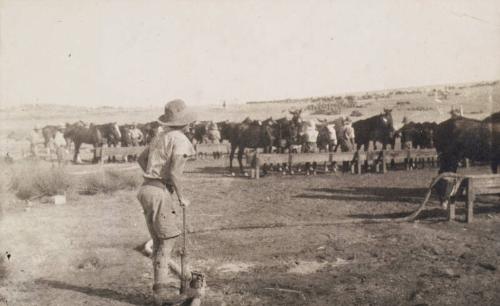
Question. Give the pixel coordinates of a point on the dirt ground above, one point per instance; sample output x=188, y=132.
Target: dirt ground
x=281, y=240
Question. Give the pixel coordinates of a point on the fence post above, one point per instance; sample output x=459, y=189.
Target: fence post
x=257, y=165
x=467, y=163
x=384, y=165
x=408, y=160
x=290, y=161
x=469, y=202
x=357, y=160
x=451, y=209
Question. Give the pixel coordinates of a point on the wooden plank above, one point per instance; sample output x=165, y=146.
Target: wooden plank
x=342, y=156
x=469, y=204
x=483, y=176
x=423, y=153
x=310, y=157
x=486, y=183
x=486, y=190
x=269, y=158
x=210, y=148
x=108, y=151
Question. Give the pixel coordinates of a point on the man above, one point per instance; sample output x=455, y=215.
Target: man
x=163, y=163
x=347, y=139
x=136, y=135
x=332, y=137
x=60, y=144
x=213, y=133
x=34, y=138
x=310, y=135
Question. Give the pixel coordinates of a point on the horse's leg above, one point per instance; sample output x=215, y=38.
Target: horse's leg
x=77, y=151
x=494, y=165
x=240, y=157
x=231, y=156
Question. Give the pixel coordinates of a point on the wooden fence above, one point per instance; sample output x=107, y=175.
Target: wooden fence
x=475, y=185
x=377, y=159
x=104, y=152
x=214, y=150
x=202, y=150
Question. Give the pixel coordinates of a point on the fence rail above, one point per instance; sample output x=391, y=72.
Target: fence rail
x=357, y=159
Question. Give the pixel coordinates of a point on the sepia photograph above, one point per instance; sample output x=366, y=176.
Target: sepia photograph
x=249, y=152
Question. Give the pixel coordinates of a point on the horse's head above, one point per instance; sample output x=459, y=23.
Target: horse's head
x=387, y=122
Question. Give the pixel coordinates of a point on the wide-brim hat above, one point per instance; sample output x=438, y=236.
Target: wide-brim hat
x=176, y=114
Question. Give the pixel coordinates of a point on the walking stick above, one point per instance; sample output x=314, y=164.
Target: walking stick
x=184, y=278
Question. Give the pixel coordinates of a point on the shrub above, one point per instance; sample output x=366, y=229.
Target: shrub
x=32, y=179
x=109, y=181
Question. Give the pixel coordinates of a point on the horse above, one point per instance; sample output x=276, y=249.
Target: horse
x=149, y=130
x=68, y=126
x=126, y=138
x=81, y=134
x=493, y=124
x=418, y=134
x=110, y=132
x=460, y=137
x=286, y=133
x=48, y=133
x=377, y=128
x=247, y=134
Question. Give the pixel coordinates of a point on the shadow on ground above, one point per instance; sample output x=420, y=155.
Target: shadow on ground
x=375, y=194
x=131, y=298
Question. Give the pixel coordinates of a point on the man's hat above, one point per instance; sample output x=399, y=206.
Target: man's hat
x=176, y=114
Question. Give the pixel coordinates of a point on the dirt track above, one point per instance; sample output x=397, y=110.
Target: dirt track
x=83, y=253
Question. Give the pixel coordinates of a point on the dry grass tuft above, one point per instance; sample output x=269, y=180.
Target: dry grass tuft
x=32, y=179
x=110, y=181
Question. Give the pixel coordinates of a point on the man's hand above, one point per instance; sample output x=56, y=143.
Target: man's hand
x=184, y=202
x=170, y=188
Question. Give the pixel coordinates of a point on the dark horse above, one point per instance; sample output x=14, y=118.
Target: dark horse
x=285, y=133
x=80, y=134
x=149, y=130
x=110, y=132
x=95, y=135
x=247, y=134
x=459, y=137
x=420, y=135
x=377, y=128
x=48, y=133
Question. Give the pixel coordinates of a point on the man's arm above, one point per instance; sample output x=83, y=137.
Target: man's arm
x=176, y=177
x=142, y=160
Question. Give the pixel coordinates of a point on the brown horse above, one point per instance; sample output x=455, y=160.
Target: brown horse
x=80, y=134
x=377, y=128
x=460, y=137
x=247, y=134
x=48, y=133
x=149, y=130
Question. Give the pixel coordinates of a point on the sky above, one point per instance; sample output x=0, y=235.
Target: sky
x=145, y=53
